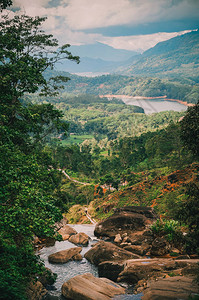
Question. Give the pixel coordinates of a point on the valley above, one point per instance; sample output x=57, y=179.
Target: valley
x=116, y=154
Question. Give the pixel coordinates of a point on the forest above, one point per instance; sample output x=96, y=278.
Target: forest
x=181, y=88
x=127, y=149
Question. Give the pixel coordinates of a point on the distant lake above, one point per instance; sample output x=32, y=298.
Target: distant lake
x=155, y=105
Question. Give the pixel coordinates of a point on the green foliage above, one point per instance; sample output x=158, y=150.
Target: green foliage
x=29, y=179
x=177, y=57
x=190, y=129
x=26, y=52
x=5, y=3
x=184, y=89
x=188, y=213
x=160, y=227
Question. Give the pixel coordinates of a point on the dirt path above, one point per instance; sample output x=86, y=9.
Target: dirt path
x=83, y=183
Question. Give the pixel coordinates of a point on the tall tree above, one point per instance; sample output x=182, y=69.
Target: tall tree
x=5, y=3
x=29, y=182
x=190, y=129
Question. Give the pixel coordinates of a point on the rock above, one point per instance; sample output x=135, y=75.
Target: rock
x=160, y=247
x=139, y=250
x=79, y=239
x=65, y=237
x=110, y=269
x=106, y=251
x=64, y=256
x=171, y=288
x=125, y=220
x=65, y=231
x=136, y=270
x=36, y=290
x=78, y=257
x=88, y=287
x=62, y=223
x=118, y=238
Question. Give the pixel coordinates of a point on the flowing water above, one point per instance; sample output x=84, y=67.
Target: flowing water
x=72, y=268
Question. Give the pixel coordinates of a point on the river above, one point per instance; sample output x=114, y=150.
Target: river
x=72, y=268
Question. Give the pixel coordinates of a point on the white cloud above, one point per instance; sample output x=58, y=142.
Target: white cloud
x=139, y=43
x=70, y=18
x=88, y=14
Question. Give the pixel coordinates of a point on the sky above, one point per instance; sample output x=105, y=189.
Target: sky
x=135, y=25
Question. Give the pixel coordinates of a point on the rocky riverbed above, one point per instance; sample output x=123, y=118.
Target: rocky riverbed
x=126, y=254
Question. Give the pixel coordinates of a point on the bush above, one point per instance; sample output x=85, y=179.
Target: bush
x=168, y=228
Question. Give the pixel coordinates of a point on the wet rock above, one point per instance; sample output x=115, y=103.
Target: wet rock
x=64, y=256
x=80, y=239
x=170, y=288
x=125, y=220
x=66, y=231
x=106, y=251
x=88, y=287
x=136, y=270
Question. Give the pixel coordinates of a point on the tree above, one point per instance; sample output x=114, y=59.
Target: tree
x=29, y=182
x=190, y=129
x=4, y=4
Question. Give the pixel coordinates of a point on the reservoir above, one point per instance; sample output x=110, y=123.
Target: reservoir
x=155, y=105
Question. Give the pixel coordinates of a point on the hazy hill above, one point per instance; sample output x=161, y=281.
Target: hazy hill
x=178, y=56
x=96, y=58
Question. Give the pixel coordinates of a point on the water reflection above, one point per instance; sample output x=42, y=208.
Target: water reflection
x=155, y=105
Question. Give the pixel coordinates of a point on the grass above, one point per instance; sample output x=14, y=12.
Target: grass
x=77, y=139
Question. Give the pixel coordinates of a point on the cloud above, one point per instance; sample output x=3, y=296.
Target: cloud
x=70, y=20
x=139, y=43
x=89, y=14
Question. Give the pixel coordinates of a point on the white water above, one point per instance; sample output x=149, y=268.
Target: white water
x=72, y=268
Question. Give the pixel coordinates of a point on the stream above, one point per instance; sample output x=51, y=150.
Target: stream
x=72, y=268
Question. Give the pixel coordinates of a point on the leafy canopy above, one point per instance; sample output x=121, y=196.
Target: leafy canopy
x=29, y=181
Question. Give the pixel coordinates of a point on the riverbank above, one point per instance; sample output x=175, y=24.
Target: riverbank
x=146, y=98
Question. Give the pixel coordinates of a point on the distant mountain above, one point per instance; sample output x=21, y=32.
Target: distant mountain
x=96, y=58
x=88, y=64
x=102, y=51
x=178, y=56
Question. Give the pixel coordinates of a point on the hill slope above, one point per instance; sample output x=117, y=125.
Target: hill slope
x=174, y=57
x=161, y=192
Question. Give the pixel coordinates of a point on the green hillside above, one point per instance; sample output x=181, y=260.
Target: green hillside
x=175, y=57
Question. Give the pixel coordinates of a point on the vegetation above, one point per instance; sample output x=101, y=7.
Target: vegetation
x=166, y=60
x=131, y=158
x=102, y=120
x=184, y=89
x=30, y=182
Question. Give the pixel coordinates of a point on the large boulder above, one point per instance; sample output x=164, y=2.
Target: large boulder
x=64, y=256
x=88, y=287
x=66, y=231
x=106, y=251
x=142, y=269
x=177, y=287
x=125, y=220
x=79, y=239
